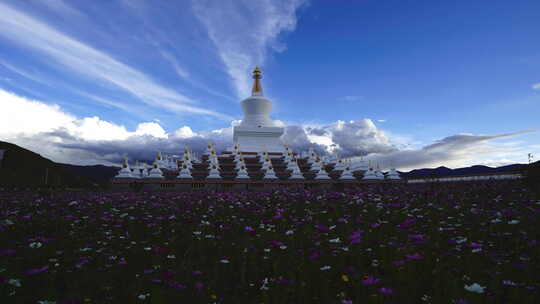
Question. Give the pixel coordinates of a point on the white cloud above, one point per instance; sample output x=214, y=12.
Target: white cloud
x=83, y=59
x=536, y=86
x=244, y=30
x=60, y=136
x=152, y=129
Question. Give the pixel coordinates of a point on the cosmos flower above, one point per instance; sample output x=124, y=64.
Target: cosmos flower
x=386, y=290
x=369, y=280
x=37, y=270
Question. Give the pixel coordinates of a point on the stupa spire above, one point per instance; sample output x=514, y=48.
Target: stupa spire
x=257, y=88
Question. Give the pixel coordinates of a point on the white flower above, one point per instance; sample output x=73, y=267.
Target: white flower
x=325, y=268
x=197, y=232
x=7, y=222
x=513, y=222
x=143, y=296
x=475, y=288
x=497, y=220
x=171, y=256
x=289, y=232
x=35, y=245
x=476, y=250
x=73, y=203
x=46, y=302
x=461, y=240
x=336, y=240
x=509, y=283
x=15, y=282
x=282, y=247
x=225, y=261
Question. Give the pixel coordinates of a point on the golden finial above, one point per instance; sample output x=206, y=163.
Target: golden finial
x=257, y=88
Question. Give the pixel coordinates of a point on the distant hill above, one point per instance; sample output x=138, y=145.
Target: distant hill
x=22, y=167
x=444, y=171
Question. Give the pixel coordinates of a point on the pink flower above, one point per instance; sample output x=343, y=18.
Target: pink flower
x=37, y=270
x=414, y=256
x=368, y=280
x=176, y=285
x=385, y=290
x=315, y=255
x=408, y=222
x=322, y=228
x=159, y=250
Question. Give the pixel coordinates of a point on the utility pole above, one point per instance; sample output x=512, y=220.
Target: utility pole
x=530, y=156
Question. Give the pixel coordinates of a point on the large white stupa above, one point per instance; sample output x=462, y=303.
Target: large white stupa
x=257, y=132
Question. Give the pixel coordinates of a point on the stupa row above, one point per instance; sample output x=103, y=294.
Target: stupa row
x=237, y=165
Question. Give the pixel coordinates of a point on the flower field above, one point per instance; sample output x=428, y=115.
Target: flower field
x=446, y=243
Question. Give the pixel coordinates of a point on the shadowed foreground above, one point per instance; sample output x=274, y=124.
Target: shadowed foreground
x=447, y=243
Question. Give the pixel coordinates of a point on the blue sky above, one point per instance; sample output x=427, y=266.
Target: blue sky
x=378, y=78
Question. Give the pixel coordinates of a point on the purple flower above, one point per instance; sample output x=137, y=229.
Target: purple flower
x=368, y=280
x=408, y=222
x=37, y=270
x=414, y=256
x=199, y=286
x=385, y=290
x=400, y=262
x=176, y=285
x=7, y=252
x=322, y=228
x=159, y=250
x=314, y=255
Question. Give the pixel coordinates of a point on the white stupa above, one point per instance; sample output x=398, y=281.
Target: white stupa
x=371, y=175
x=242, y=173
x=270, y=173
x=322, y=175
x=156, y=172
x=347, y=174
x=296, y=173
x=124, y=172
x=214, y=173
x=185, y=173
x=340, y=165
x=257, y=131
x=393, y=174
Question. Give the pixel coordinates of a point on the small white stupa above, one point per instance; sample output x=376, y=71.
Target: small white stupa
x=340, y=165
x=322, y=175
x=270, y=174
x=347, y=174
x=296, y=173
x=242, y=173
x=214, y=173
x=393, y=174
x=316, y=166
x=185, y=173
x=378, y=172
x=124, y=172
x=371, y=175
x=136, y=170
x=156, y=172
x=145, y=171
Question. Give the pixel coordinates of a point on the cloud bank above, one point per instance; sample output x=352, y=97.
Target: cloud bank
x=48, y=130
